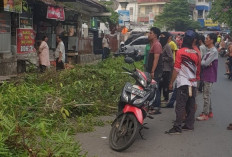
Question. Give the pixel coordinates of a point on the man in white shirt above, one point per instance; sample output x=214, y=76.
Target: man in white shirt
x=105, y=46
x=60, y=54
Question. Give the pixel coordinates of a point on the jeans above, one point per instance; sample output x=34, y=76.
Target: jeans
x=207, y=98
x=157, y=101
x=105, y=53
x=173, y=98
x=164, y=84
x=59, y=65
x=185, y=104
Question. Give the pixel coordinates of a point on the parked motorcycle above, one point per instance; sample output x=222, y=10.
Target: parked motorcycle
x=135, y=102
x=135, y=54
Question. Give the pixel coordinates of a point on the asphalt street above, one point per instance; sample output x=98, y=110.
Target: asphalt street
x=209, y=138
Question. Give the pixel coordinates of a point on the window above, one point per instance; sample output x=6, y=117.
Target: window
x=148, y=9
x=201, y=0
x=200, y=13
x=141, y=41
x=206, y=14
x=131, y=11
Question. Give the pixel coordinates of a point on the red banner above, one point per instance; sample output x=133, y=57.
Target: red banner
x=25, y=41
x=55, y=13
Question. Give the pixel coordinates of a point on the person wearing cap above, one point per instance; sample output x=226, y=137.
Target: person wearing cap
x=167, y=65
x=185, y=73
x=209, y=76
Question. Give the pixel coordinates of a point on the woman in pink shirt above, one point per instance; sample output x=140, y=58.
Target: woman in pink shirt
x=44, y=54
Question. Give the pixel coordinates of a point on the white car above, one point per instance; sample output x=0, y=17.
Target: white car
x=138, y=44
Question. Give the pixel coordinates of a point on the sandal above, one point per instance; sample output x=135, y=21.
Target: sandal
x=229, y=127
x=154, y=111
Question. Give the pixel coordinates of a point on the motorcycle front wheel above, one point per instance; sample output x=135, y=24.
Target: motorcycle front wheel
x=123, y=137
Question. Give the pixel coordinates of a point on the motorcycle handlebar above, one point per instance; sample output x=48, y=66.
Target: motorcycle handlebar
x=126, y=69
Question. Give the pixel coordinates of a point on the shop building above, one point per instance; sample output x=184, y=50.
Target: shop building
x=23, y=25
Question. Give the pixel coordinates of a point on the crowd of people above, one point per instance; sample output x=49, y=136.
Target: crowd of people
x=189, y=66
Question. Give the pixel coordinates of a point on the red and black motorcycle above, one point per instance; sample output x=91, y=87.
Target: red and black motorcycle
x=135, y=102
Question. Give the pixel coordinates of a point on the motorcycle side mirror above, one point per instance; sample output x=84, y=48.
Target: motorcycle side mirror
x=129, y=60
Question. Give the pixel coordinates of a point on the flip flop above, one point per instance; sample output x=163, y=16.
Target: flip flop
x=229, y=127
x=152, y=112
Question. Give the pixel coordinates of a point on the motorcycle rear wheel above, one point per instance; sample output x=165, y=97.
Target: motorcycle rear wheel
x=121, y=139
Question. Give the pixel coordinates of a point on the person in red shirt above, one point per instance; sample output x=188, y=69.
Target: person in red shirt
x=155, y=66
x=185, y=73
x=179, y=41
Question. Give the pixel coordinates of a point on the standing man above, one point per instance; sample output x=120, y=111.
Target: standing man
x=203, y=52
x=185, y=73
x=105, y=46
x=155, y=66
x=60, y=53
x=179, y=41
x=209, y=76
x=167, y=65
x=173, y=47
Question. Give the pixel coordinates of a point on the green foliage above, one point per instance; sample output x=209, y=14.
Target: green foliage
x=176, y=16
x=39, y=114
x=221, y=11
x=113, y=19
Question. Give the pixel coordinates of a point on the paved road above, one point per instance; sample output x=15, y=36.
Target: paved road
x=209, y=139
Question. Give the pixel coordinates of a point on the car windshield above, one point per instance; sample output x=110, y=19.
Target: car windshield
x=141, y=41
x=133, y=37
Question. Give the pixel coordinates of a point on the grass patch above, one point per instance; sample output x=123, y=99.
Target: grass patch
x=39, y=114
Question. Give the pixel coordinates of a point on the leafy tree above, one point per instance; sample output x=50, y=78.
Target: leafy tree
x=176, y=15
x=221, y=11
x=113, y=19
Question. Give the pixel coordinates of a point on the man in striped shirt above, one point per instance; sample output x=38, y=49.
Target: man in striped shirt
x=185, y=73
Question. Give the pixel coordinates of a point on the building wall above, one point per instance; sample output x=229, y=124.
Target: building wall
x=202, y=10
x=146, y=8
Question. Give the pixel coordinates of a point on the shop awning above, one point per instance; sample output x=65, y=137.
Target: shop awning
x=202, y=7
x=48, y=2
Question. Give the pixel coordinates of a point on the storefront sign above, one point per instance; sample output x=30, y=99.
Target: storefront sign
x=25, y=41
x=25, y=22
x=124, y=17
x=94, y=24
x=210, y=23
x=55, y=13
x=13, y=5
x=5, y=23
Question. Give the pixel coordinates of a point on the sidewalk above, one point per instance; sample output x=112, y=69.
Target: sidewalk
x=6, y=78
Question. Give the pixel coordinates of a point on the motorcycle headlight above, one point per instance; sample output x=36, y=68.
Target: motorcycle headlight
x=124, y=97
x=141, y=80
x=139, y=101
